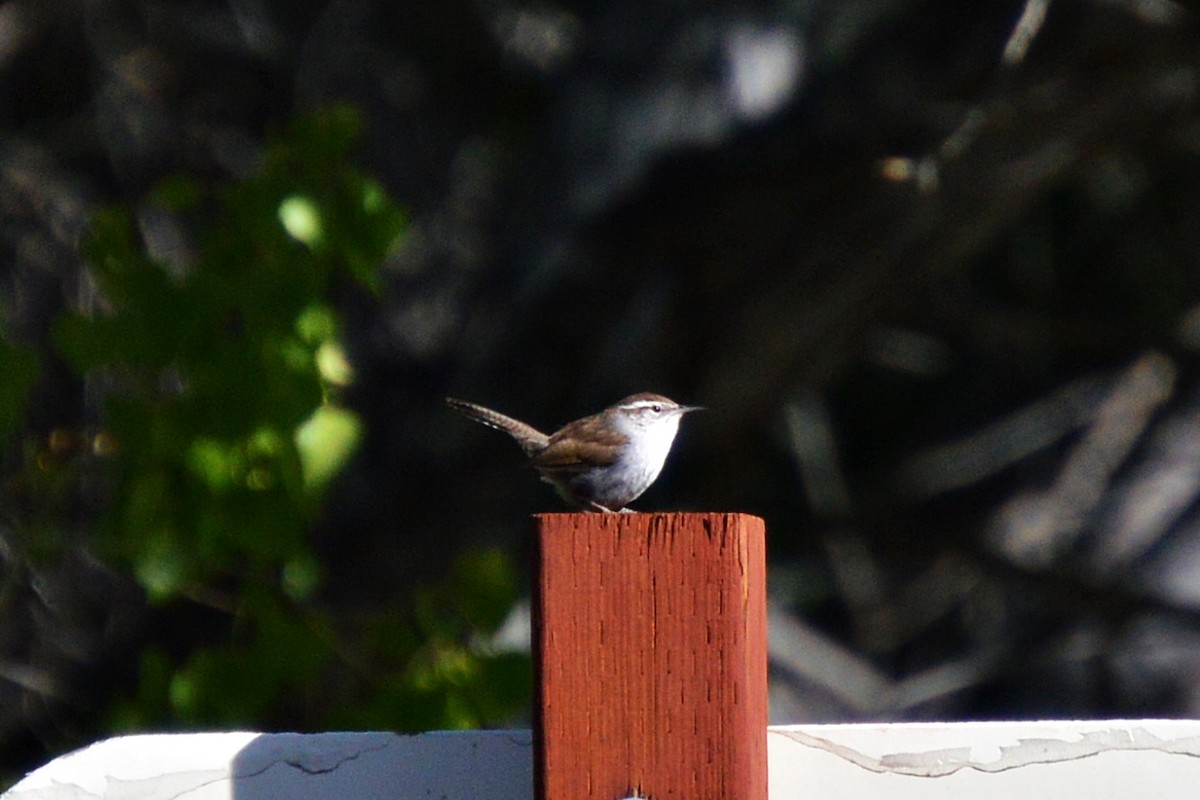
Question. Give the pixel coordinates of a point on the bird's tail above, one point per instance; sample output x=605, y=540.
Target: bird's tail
x=530, y=438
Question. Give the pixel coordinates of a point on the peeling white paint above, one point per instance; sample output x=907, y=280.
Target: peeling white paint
x=1029, y=760
x=328, y=766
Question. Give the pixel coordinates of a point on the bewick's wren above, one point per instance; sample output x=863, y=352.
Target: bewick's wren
x=601, y=462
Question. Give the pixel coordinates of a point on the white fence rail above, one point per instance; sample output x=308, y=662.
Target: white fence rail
x=1099, y=760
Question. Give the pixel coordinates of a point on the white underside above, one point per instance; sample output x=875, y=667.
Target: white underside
x=643, y=459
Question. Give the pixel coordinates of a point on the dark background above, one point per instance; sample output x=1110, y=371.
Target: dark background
x=933, y=267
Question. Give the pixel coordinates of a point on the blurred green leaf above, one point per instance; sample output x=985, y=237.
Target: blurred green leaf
x=316, y=325
x=484, y=586
x=300, y=578
x=325, y=442
x=301, y=218
x=19, y=369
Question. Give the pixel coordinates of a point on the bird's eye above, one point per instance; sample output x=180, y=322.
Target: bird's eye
x=657, y=409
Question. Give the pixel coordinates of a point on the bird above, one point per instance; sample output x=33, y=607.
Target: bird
x=601, y=462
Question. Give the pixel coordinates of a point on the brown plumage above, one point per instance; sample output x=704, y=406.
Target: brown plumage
x=600, y=462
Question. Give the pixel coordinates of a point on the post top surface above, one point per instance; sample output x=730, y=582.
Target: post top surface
x=683, y=515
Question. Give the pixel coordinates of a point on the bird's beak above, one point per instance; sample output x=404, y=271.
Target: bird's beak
x=689, y=409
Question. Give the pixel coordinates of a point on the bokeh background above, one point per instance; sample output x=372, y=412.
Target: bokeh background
x=933, y=267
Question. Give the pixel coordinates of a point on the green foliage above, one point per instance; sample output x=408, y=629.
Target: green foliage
x=224, y=412
x=227, y=422
x=19, y=370
x=432, y=662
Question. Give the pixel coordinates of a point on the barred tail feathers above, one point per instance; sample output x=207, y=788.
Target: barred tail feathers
x=528, y=437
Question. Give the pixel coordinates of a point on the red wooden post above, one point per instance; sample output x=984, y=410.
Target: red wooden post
x=650, y=646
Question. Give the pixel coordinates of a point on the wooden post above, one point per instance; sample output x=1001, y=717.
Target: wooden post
x=650, y=650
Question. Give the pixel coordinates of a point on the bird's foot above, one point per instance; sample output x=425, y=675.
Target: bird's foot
x=594, y=506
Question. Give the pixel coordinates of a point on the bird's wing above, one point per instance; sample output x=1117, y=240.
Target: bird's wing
x=567, y=452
